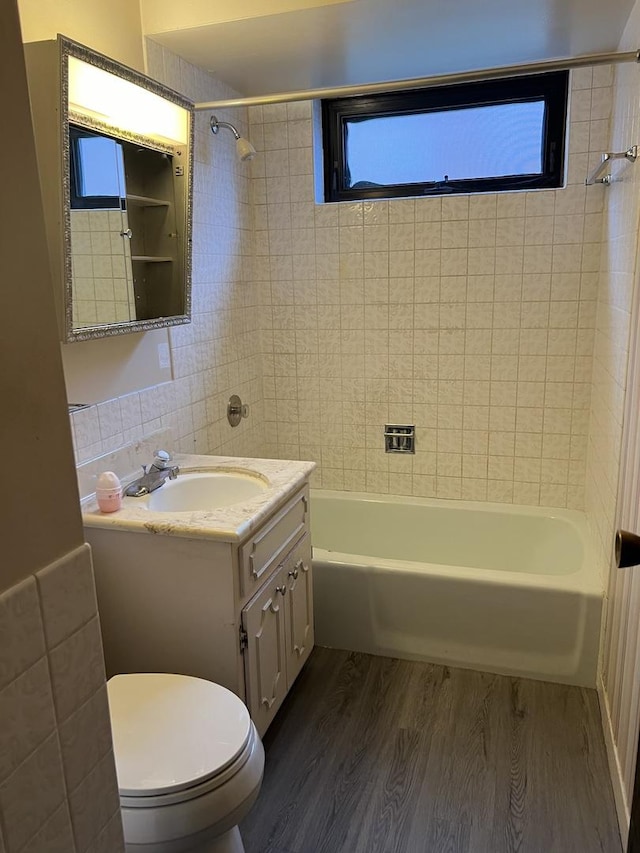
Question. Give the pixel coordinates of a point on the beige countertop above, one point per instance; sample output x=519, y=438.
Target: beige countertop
x=230, y=523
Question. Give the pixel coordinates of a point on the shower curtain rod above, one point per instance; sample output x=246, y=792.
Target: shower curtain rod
x=420, y=82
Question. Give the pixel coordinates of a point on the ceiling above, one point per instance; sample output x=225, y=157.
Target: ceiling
x=267, y=46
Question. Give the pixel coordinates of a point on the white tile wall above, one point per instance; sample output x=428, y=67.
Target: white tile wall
x=58, y=789
x=611, y=344
x=471, y=317
x=102, y=276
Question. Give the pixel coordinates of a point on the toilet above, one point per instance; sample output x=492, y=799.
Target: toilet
x=189, y=763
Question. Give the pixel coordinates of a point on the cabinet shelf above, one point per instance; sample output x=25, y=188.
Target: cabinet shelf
x=146, y=201
x=151, y=259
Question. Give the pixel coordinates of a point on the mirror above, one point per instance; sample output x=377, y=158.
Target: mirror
x=122, y=228
x=126, y=252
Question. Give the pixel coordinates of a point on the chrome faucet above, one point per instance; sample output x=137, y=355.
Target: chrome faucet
x=153, y=476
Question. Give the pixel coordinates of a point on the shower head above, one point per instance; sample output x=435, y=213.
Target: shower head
x=244, y=148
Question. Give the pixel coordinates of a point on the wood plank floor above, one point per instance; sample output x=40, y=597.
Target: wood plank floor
x=377, y=755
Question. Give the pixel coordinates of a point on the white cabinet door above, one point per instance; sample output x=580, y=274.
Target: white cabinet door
x=265, y=656
x=298, y=603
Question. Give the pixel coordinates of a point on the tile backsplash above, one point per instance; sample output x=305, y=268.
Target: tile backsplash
x=125, y=461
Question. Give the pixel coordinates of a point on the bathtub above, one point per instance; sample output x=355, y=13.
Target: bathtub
x=500, y=588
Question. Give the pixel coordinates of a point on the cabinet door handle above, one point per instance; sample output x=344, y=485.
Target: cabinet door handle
x=301, y=565
x=128, y=233
x=294, y=574
x=281, y=589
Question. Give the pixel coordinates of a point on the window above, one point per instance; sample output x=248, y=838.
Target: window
x=97, y=171
x=468, y=138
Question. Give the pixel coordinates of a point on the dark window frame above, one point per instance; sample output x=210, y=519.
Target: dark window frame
x=87, y=202
x=553, y=87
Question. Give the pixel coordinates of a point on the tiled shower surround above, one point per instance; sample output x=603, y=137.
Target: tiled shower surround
x=471, y=317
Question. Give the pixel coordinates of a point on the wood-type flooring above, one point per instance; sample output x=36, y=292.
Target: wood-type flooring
x=377, y=755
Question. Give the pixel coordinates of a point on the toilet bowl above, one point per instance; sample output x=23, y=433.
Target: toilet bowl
x=189, y=763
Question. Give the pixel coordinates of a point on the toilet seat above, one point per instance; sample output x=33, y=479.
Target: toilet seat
x=185, y=794
x=175, y=737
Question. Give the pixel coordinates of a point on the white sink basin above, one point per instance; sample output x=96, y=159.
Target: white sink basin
x=204, y=490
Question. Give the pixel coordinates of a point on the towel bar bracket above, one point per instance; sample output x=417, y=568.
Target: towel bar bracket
x=597, y=176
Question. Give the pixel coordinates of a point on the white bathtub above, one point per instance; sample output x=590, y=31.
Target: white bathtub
x=495, y=587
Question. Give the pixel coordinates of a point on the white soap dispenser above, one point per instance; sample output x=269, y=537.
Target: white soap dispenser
x=109, y=492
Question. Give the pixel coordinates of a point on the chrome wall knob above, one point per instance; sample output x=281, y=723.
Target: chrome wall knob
x=236, y=410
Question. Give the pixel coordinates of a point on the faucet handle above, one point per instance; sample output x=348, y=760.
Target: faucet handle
x=162, y=458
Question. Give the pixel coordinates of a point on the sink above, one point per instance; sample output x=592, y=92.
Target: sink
x=204, y=490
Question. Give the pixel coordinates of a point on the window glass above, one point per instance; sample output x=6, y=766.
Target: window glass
x=476, y=142
x=101, y=169
x=97, y=179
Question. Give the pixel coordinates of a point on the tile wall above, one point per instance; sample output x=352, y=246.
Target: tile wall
x=58, y=789
x=471, y=317
x=218, y=354
x=611, y=342
x=102, y=276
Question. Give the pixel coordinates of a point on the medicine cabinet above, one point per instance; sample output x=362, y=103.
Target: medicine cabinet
x=115, y=160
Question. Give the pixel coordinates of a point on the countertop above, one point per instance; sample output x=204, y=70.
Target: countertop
x=230, y=523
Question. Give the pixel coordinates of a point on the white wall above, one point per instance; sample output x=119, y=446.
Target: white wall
x=111, y=27
x=164, y=15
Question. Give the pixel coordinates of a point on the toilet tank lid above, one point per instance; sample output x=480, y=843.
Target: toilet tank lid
x=171, y=732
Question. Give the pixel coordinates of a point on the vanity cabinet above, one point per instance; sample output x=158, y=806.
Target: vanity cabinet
x=239, y=613
x=277, y=629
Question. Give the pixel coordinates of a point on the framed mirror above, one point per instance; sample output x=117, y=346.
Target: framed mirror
x=119, y=226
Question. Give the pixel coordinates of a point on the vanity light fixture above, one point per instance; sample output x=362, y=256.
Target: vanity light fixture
x=244, y=148
x=98, y=94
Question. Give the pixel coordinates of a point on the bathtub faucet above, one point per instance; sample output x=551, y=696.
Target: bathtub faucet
x=153, y=476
